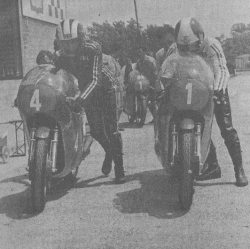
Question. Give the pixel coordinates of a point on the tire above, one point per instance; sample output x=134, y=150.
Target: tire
x=142, y=111
x=186, y=189
x=39, y=184
x=5, y=154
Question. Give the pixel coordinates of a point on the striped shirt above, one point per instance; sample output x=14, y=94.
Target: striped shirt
x=162, y=54
x=213, y=54
x=86, y=67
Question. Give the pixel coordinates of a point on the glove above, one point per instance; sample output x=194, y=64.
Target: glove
x=75, y=105
x=217, y=95
x=129, y=90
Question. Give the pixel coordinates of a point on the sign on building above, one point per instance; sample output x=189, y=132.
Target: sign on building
x=52, y=11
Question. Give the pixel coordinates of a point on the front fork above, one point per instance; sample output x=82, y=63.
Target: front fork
x=175, y=147
x=52, y=157
x=53, y=149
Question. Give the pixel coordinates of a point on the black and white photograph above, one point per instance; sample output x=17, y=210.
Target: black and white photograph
x=124, y=124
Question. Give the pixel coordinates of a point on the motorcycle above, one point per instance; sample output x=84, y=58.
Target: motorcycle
x=58, y=140
x=184, y=124
x=136, y=100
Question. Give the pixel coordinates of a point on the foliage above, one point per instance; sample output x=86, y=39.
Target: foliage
x=121, y=39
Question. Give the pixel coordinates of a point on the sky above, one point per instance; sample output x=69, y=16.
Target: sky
x=216, y=16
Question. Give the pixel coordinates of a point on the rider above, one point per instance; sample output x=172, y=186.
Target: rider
x=83, y=58
x=147, y=67
x=190, y=37
x=165, y=36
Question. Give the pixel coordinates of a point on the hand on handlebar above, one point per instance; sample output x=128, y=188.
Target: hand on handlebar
x=76, y=105
x=217, y=94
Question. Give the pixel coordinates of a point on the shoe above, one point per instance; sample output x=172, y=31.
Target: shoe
x=241, y=179
x=120, y=128
x=120, y=179
x=107, y=164
x=209, y=172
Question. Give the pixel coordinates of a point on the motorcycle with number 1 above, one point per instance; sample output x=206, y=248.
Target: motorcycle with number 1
x=184, y=123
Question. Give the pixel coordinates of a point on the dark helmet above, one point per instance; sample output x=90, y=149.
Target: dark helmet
x=68, y=34
x=189, y=34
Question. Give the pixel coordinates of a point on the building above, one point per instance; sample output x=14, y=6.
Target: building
x=242, y=62
x=26, y=27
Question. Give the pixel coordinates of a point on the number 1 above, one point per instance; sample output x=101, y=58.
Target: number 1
x=34, y=102
x=189, y=95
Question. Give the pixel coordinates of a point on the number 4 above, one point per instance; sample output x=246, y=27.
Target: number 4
x=189, y=95
x=34, y=102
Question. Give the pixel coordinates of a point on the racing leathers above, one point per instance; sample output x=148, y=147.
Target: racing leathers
x=213, y=54
x=99, y=101
x=147, y=67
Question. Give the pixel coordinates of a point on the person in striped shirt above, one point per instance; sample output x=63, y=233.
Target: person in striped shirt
x=190, y=37
x=165, y=35
x=83, y=58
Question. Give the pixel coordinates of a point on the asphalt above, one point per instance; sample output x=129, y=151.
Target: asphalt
x=142, y=213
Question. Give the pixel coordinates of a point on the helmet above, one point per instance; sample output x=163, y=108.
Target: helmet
x=69, y=33
x=189, y=34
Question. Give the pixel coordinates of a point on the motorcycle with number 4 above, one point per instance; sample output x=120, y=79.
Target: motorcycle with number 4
x=184, y=124
x=136, y=101
x=58, y=140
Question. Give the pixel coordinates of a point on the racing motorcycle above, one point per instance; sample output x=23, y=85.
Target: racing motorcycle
x=136, y=100
x=184, y=123
x=57, y=136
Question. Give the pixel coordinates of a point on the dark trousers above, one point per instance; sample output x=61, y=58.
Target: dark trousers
x=101, y=111
x=223, y=117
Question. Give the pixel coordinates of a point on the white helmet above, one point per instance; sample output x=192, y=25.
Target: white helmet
x=189, y=34
x=68, y=33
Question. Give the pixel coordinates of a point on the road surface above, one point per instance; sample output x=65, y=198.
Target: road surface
x=144, y=213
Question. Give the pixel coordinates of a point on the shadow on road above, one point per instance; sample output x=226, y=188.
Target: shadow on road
x=127, y=125
x=158, y=196
x=22, y=179
x=18, y=206
x=207, y=184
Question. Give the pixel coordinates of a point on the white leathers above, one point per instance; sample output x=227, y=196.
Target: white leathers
x=213, y=54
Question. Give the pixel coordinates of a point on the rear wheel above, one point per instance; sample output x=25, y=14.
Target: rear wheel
x=40, y=177
x=142, y=111
x=186, y=189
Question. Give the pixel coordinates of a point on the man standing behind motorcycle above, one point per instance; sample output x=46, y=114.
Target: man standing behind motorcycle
x=190, y=37
x=165, y=35
x=83, y=58
x=147, y=67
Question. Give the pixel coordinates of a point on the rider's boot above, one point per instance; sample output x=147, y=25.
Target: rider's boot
x=234, y=150
x=107, y=163
x=116, y=143
x=211, y=169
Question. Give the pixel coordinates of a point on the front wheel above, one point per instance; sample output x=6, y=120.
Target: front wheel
x=40, y=177
x=186, y=189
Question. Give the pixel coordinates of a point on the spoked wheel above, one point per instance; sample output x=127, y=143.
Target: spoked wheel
x=5, y=154
x=40, y=181
x=186, y=189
